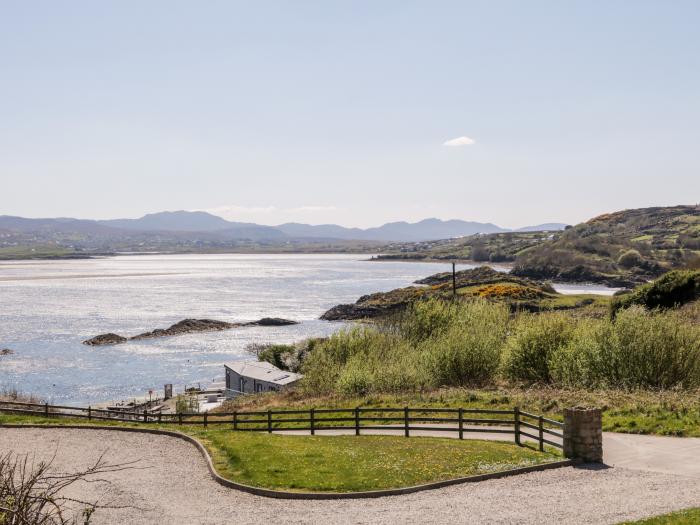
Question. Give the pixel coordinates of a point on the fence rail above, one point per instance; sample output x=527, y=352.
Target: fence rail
x=450, y=420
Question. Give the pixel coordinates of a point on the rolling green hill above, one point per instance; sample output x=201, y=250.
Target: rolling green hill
x=621, y=248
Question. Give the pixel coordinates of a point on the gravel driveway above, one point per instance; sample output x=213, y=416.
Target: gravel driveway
x=176, y=489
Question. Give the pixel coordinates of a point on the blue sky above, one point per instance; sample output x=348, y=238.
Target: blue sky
x=338, y=111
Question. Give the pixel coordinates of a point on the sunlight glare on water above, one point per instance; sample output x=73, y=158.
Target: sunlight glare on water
x=49, y=307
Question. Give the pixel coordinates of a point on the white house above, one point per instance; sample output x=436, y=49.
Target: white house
x=248, y=377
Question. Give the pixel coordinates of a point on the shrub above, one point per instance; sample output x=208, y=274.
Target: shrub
x=361, y=348
x=630, y=258
x=285, y=357
x=424, y=319
x=534, y=343
x=639, y=349
x=672, y=289
x=469, y=352
x=480, y=253
x=275, y=355
x=642, y=349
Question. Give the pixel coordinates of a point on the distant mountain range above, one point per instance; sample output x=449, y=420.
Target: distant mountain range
x=198, y=223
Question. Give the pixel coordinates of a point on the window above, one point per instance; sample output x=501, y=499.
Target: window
x=258, y=388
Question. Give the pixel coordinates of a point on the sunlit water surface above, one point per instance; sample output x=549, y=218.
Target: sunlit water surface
x=47, y=308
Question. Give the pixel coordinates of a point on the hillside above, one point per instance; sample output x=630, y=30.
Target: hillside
x=493, y=247
x=201, y=232
x=621, y=248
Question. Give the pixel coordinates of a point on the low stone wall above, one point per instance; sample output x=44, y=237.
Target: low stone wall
x=583, y=434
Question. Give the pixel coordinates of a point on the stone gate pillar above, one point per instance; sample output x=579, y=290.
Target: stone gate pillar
x=583, y=434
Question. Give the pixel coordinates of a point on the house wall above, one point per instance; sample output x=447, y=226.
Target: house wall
x=249, y=385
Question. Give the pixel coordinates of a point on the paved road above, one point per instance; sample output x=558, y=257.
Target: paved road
x=175, y=488
x=670, y=455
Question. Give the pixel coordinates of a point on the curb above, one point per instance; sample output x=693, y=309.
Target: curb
x=281, y=494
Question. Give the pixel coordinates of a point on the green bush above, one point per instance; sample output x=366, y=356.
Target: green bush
x=630, y=258
x=639, y=349
x=469, y=352
x=275, y=355
x=578, y=363
x=534, y=343
x=424, y=320
x=672, y=289
x=642, y=349
x=475, y=343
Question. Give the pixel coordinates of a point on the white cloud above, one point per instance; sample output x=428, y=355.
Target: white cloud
x=459, y=141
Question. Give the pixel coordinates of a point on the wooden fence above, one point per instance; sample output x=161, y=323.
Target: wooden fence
x=515, y=422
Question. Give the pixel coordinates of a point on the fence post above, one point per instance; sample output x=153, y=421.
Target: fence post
x=311, y=421
x=583, y=434
x=357, y=421
x=145, y=415
x=461, y=423
x=541, y=429
x=235, y=420
x=179, y=418
x=269, y=421
x=160, y=417
x=205, y=419
x=516, y=413
x=405, y=421
x=89, y=412
x=46, y=410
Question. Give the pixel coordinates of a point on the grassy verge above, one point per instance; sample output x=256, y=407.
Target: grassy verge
x=669, y=413
x=339, y=463
x=683, y=517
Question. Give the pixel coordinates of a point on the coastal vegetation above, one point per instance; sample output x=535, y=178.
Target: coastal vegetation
x=638, y=360
x=673, y=289
x=477, y=342
x=518, y=293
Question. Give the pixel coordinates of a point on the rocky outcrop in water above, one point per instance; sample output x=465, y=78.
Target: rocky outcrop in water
x=352, y=312
x=186, y=326
x=105, y=339
x=271, y=321
x=6, y=351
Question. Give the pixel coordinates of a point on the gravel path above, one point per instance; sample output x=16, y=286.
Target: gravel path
x=175, y=488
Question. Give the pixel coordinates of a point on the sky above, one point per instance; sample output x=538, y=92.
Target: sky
x=355, y=113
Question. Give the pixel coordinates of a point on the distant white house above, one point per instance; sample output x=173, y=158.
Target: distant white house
x=248, y=377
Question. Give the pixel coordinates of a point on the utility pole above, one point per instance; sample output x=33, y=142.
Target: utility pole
x=454, y=281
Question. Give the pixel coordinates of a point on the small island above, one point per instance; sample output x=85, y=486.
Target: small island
x=186, y=326
x=520, y=293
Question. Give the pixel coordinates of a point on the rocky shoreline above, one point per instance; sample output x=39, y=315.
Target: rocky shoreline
x=186, y=326
x=520, y=293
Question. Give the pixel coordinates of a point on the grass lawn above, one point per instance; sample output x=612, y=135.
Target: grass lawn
x=341, y=463
x=683, y=517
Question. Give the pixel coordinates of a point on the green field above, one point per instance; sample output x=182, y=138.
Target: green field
x=340, y=463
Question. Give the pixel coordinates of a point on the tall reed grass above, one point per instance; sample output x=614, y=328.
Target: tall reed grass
x=475, y=343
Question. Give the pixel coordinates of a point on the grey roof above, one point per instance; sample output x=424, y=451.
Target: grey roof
x=263, y=371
